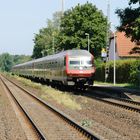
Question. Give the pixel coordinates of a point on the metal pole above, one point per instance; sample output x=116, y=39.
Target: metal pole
x=88, y=43
x=114, y=75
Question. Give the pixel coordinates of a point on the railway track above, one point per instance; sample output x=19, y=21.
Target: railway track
x=115, y=101
x=78, y=130
x=31, y=123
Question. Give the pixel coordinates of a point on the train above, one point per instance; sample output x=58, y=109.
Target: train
x=70, y=67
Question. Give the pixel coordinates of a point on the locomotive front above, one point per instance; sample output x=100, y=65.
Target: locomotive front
x=80, y=68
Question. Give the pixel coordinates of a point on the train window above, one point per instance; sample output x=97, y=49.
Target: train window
x=88, y=62
x=72, y=62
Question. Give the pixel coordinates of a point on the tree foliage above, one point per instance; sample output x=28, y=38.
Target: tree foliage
x=68, y=31
x=18, y=59
x=130, y=20
x=127, y=71
x=7, y=61
x=47, y=39
x=80, y=20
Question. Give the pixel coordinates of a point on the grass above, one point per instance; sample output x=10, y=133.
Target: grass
x=28, y=82
x=111, y=84
x=47, y=92
x=61, y=97
x=125, y=85
x=86, y=123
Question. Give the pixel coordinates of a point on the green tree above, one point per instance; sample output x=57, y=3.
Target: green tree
x=47, y=39
x=130, y=20
x=18, y=59
x=80, y=20
x=6, y=62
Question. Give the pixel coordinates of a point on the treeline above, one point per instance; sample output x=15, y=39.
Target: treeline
x=70, y=30
x=7, y=61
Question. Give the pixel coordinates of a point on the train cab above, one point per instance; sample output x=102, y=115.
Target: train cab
x=80, y=68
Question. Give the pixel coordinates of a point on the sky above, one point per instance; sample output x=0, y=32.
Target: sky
x=20, y=20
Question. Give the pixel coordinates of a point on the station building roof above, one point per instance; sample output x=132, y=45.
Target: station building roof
x=124, y=45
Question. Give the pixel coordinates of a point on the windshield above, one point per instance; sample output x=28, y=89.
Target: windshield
x=80, y=62
x=74, y=62
x=86, y=62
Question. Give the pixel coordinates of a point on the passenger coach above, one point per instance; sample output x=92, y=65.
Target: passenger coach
x=71, y=67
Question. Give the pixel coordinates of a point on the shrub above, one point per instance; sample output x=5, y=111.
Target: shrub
x=126, y=71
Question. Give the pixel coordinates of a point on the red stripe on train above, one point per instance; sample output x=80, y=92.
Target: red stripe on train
x=80, y=73
x=67, y=63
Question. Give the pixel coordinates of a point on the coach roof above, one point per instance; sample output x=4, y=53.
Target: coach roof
x=55, y=56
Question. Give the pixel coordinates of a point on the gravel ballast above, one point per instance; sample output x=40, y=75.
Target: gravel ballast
x=108, y=121
x=10, y=128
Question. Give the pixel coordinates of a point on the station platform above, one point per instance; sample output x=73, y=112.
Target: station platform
x=133, y=94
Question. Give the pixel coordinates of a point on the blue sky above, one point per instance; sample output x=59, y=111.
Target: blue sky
x=21, y=19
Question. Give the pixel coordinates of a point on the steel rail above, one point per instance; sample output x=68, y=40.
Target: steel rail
x=126, y=101
x=122, y=106
x=36, y=129
x=117, y=98
x=115, y=104
x=85, y=132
